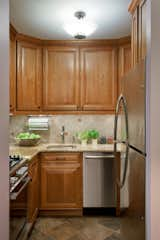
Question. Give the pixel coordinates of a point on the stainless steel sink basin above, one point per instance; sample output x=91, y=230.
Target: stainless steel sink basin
x=61, y=146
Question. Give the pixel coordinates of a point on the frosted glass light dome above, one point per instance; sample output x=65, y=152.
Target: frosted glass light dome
x=80, y=28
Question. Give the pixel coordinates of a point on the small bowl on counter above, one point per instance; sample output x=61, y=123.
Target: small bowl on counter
x=28, y=142
x=28, y=139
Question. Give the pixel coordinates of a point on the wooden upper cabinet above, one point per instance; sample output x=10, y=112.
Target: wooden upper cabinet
x=139, y=36
x=142, y=29
x=29, y=76
x=98, y=78
x=60, y=78
x=124, y=63
x=12, y=71
x=134, y=36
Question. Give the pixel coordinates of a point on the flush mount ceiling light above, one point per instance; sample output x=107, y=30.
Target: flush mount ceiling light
x=80, y=28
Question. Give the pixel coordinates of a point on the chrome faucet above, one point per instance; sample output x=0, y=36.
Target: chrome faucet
x=63, y=133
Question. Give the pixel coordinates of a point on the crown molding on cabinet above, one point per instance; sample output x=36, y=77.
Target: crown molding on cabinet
x=133, y=5
x=76, y=43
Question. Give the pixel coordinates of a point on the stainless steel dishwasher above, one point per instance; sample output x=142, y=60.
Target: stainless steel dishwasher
x=98, y=180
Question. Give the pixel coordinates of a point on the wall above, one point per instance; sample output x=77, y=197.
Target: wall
x=4, y=113
x=153, y=121
x=73, y=123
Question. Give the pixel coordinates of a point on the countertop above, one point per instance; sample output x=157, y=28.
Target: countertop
x=30, y=152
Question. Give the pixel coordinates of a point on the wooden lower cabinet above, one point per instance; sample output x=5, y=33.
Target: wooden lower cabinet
x=33, y=190
x=61, y=182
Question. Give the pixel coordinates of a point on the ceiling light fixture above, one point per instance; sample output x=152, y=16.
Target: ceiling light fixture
x=80, y=28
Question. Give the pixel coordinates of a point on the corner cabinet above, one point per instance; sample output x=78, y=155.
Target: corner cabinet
x=60, y=78
x=61, y=182
x=98, y=78
x=29, y=76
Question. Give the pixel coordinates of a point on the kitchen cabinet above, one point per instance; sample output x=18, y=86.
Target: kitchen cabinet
x=60, y=78
x=138, y=35
x=33, y=190
x=61, y=182
x=124, y=63
x=142, y=29
x=29, y=76
x=134, y=38
x=12, y=70
x=98, y=78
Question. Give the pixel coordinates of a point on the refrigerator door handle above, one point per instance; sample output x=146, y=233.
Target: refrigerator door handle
x=121, y=101
x=122, y=182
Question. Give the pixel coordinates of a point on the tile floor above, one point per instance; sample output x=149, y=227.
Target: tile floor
x=76, y=228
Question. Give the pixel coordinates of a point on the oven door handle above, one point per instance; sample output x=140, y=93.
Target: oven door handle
x=14, y=195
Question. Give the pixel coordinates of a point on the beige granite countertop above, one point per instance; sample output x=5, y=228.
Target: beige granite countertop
x=30, y=152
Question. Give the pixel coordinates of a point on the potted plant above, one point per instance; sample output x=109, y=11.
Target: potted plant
x=94, y=135
x=83, y=136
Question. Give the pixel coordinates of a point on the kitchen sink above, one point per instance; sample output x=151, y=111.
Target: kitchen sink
x=61, y=146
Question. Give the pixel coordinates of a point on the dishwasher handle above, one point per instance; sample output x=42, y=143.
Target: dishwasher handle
x=99, y=157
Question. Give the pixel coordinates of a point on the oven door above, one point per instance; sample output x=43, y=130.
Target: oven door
x=18, y=207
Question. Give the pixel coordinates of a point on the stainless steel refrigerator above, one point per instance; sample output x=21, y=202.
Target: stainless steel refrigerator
x=129, y=130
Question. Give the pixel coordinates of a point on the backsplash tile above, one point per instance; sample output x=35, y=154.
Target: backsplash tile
x=73, y=123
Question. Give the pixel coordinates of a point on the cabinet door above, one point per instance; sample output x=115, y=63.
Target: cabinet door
x=12, y=71
x=29, y=74
x=33, y=190
x=99, y=78
x=61, y=181
x=60, y=78
x=134, y=40
x=142, y=29
x=124, y=63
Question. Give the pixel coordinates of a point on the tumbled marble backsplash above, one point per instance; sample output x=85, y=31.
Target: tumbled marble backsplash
x=73, y=123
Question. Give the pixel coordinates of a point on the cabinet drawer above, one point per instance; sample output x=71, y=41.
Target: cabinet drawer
x=60, y=157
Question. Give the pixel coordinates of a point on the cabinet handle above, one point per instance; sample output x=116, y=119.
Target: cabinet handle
x=60, y=158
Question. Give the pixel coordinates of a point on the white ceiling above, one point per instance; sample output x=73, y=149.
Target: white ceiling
x=45, y=18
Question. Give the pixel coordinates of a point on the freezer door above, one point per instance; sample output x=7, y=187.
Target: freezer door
x=134, y=93
x=133, y=221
